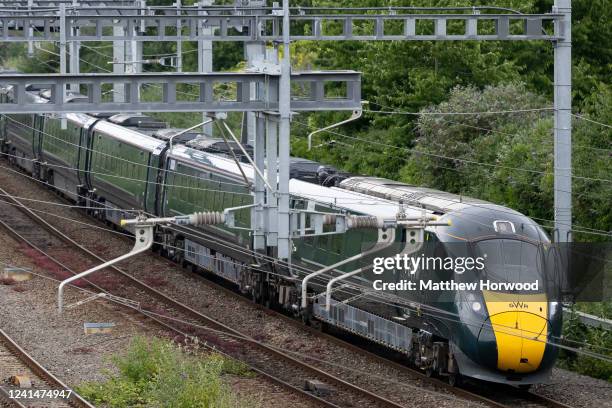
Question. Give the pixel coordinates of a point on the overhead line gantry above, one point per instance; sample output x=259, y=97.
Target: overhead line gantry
x=23, y=21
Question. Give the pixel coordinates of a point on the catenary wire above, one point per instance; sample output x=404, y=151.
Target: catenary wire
x=372, y=200
x=474, y=162
x=375, y=200
x=359, y=288
x=591, y=120
x=576, y=145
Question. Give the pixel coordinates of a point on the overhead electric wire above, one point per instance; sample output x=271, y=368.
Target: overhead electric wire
x=109, y=71
x=371, y=200
x=591, y=120
x=376, y=296
x=236, y=336
x=424, y=113
x=374, y=199
x=502, y=133
x=129, y=178
x=458, y=159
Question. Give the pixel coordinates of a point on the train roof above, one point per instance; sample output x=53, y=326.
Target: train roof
x=137, y=121
x=437, y=201
x=129, y=136
x=168, y=133
x=209, y=144
x=102, y=115
x=331, y=197
x=80, y=119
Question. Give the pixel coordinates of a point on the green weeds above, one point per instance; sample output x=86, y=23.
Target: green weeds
x=157, y=373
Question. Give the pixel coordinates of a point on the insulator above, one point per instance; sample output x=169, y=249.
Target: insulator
x=207, y=218
x=363, y=221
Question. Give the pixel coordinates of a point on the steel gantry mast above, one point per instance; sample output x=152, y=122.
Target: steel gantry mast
x=264, y=91
x=563, y=122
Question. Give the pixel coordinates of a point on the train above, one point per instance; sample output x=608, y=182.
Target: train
x=113, y=165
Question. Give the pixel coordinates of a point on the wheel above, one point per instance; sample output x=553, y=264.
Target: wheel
x=429, y=371
x=454, y=380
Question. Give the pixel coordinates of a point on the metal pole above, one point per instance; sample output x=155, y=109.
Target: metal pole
x=563, y=122
x=62, y=52
x=271, y=198
x=133, y=56
x=205, y=57
x=272, y=161
x=118, y=66
x=257, y=214
x=62, y=42
x=30, y=33
x=74, y=54
x=284, y=142
x=255, y=54
x=179, y=43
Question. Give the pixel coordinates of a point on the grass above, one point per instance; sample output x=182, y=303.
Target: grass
x=158, y=373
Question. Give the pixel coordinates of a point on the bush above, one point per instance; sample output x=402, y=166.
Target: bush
x=158, y=373
x=599, y=341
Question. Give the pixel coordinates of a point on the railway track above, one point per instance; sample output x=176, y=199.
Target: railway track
x=45, y=389
x=535, y=400
x=271, y=363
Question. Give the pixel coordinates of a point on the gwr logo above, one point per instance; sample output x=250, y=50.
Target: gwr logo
x=518, y=305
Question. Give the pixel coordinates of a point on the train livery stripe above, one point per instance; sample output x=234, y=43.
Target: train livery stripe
x=520, y=325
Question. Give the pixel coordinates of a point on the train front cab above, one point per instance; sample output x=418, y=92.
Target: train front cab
x=505, y=335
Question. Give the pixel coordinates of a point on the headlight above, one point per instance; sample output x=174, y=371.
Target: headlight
x=476, y=306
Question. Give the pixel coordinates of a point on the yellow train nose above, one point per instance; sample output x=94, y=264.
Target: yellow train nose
x=520, y=326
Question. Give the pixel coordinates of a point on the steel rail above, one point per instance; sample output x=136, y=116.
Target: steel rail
x=217, y=326
x=159, y=321
x=74, y=400
x=541, y=399
x=380, y=359
x=7, y=401
x=460, y=392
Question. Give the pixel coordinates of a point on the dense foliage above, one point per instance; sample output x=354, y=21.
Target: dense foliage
x=594, y=340
x=502, y=158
